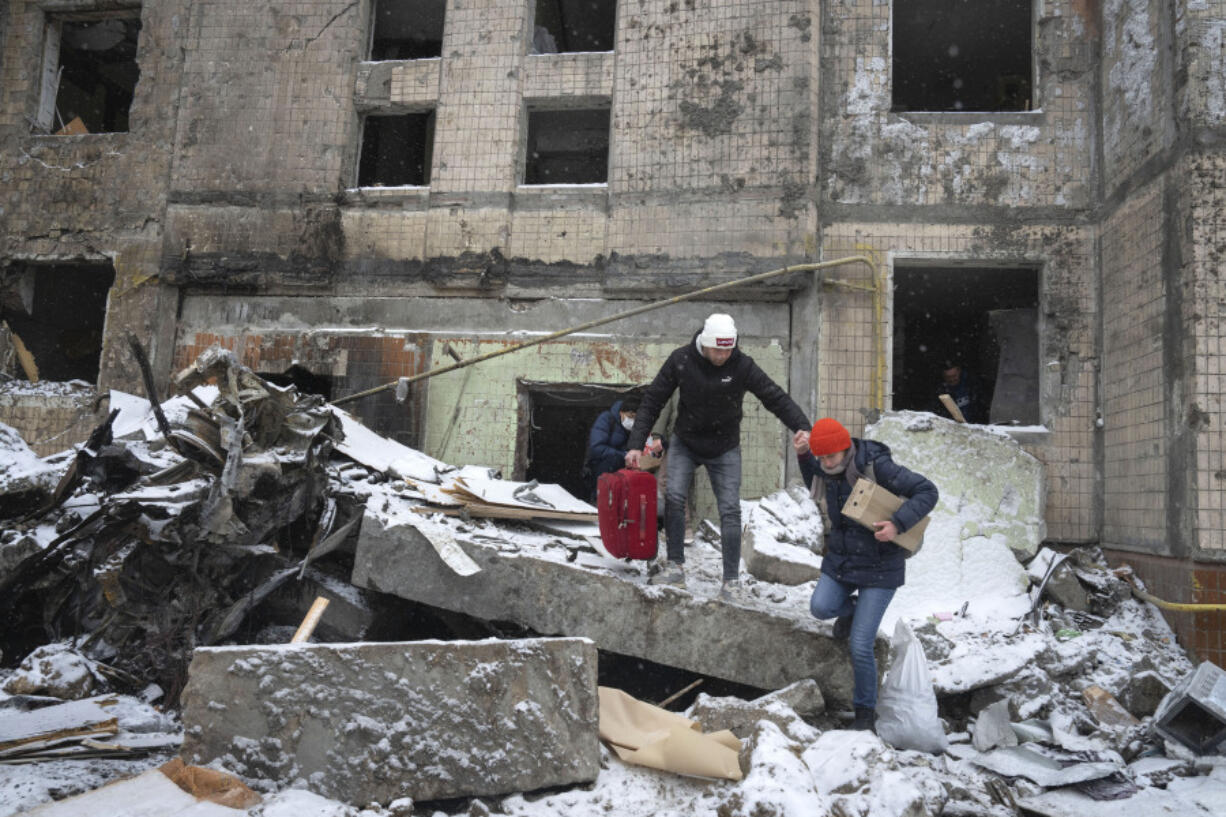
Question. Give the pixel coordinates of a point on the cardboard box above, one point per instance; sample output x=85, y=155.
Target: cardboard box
x=650, y=462
x=870, y=503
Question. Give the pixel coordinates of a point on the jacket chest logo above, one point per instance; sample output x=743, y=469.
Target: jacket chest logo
x=726, y=380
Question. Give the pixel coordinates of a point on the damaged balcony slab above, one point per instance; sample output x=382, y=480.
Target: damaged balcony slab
x=371, y=722
x=768, y=641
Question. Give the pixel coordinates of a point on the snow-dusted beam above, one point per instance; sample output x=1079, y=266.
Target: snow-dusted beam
x=761, y=644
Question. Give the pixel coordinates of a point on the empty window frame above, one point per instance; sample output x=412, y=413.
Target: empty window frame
x=58, y=311
x=983, y=321
x=573, y=25
x=89, y=72
x=407, y=29
x=396, y=150
x=962, y=55
x=567, y=147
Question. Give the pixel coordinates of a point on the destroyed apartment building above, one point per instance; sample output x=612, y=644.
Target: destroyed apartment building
x=346, y=193
x=349, y=195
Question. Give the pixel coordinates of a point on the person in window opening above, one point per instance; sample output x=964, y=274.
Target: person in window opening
x=711, y=375
x=606, y=441
x=963, y=387
x=861, y=568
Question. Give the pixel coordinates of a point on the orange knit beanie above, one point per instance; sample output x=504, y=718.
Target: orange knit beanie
x=828, y=437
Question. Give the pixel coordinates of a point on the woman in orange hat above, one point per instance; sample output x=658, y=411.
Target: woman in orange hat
x=861, y=568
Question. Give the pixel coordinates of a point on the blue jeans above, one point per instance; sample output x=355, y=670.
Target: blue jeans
x=832, y=599
x=725, y=474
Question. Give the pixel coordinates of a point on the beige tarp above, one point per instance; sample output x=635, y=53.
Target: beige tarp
x=647, y=735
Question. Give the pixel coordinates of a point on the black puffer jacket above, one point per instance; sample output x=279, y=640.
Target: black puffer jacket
x=709, y=410
x=853, y=555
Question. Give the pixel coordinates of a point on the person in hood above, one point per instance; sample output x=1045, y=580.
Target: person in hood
x=606, y=441
x=711, y=376
x=861, y=568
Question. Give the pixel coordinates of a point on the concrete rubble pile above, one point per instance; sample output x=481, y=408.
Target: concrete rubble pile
x=168, y=538
x=166, y=545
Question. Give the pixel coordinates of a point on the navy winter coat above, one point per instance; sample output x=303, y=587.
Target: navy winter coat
x=709, y=412
x=606, y=444
x=853, y=556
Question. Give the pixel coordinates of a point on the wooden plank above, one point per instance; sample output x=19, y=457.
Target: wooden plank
x=507, y=512
x=952, y=408
x=40, y=728
x=312, y=619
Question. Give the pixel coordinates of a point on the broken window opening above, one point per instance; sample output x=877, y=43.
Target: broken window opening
x=303, y=379
x=407, y=29
x=59, y=312
x=397, y=150
x=567, y=147
x=574, y=25
x=963, y=55
x=89, y=72
x=554, y=422
x=983, y=320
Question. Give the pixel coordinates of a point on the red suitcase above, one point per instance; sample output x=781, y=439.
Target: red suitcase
x=626, y=505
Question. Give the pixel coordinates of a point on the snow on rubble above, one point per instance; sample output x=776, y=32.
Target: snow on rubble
x=993, y=644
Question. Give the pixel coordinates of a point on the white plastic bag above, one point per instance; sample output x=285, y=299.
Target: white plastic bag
x=907, y=705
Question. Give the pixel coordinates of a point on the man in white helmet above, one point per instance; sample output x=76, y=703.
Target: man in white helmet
x=712, y=375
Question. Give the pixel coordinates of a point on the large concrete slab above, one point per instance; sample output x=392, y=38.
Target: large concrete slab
x=369, y=722
x=988, y=482
x=988, y=520
x=768, y=641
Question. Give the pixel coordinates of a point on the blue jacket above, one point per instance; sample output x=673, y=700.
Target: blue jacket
x=853, y=556
x=606, y=444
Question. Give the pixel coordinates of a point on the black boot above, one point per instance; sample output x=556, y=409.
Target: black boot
x=866, y=719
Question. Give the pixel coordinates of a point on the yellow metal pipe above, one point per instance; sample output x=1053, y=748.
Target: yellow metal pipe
x=1176, y=606
x=752, y=279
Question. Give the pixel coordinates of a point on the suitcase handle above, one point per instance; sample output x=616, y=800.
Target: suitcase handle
x=642, y=516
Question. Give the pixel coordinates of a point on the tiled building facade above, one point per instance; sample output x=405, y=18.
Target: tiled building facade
x=238, y=206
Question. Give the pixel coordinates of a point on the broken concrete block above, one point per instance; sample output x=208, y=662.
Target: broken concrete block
x=989, y=515
x=56, y=670
x=739, y=716
x=15, y=547
x=1105, y=708
x=782, y=533
x=992, y=728
x=1143, y=692
x=376, y=722
x=997, y=488
x=761, y=645
x=25, y=480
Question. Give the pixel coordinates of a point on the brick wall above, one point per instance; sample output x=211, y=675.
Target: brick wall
x=50, y=417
